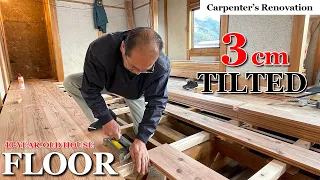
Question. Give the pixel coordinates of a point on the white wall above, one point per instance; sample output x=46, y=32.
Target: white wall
x=264, y=33
x=141, y=15
x=177, y=36
x=76, y=28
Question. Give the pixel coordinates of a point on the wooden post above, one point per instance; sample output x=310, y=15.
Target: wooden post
x=154, y=14
x=54, y=38
x=129, y=13
x=316, y=66
x=297, y=43
x=223, y=47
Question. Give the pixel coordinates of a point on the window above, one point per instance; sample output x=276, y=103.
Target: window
x=205, y=29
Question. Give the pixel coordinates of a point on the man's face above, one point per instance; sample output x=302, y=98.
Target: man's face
x=140, y=59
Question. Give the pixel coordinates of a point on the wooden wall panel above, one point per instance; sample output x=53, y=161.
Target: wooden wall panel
x=25, y=27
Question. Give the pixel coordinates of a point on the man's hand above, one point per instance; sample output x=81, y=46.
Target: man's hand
x=140, y=156
x=112, y=129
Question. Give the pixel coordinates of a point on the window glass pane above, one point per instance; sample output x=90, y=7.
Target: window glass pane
x=206, y=29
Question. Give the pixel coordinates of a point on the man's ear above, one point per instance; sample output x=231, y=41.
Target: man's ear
x=122, y=49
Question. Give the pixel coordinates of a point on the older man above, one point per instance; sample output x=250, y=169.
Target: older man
x=132, y=65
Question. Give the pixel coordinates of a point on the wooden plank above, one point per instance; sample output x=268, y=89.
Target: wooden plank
x=126, y=128
x=154, y=142
x=166, y=45
x=224, y=24
x=177, y=165
x=129, y=14
x=275, y=169
x=91, y=4
x=114, y=100
x=121, y=110
x=272, y=171
x=191, y=141
x=189, y=69
x=106, y=96
x=316, y=67
x=154, y=14
x=296, y=43
x=54, y=38
x=288, y=153
x=145, y=4
x=204, y=52
x=300, y=124
x=214, y=87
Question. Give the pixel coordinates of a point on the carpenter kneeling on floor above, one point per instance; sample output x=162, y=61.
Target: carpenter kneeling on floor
x=132, y=65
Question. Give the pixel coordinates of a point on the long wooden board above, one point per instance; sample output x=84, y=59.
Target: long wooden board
x=189, y=69
x=303, y=124
x=285, y=152
x=177, y=165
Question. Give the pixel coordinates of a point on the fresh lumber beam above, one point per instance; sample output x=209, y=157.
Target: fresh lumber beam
x=154, y=142
x=54, y=38
x=285, y=152
x=126, y=128
x=167, y=134
x=121, y=110
x=121, y=121
x=272, y=171
x=214, y=87
x=189, y=69
x=297, y=124
x=181, y=145
x=114, y=100
x=129, y=13
x=154, y=15
x=191, y=141
x=275, y=169
x=106, y=96
x=177, y=165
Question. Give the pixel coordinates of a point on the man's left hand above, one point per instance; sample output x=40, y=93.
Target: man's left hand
x=140, y=156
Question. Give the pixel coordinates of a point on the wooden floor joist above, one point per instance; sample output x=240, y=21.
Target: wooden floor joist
x=288, y=153
x=177, y=165
x=275, y=169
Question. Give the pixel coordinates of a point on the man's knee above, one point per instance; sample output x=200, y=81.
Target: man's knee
x=72, y=81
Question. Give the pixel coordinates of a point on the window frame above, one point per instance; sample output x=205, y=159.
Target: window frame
x=210, y=51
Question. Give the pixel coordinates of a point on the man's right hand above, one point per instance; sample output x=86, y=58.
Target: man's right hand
x=112, y=129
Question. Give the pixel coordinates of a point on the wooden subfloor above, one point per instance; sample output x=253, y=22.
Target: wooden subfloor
x=42, y=113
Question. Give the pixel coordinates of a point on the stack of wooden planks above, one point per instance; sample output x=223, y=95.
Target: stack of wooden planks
x=189, y=69
x=303, y=125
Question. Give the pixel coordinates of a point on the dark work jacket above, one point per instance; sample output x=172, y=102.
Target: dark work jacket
x=103, y=68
